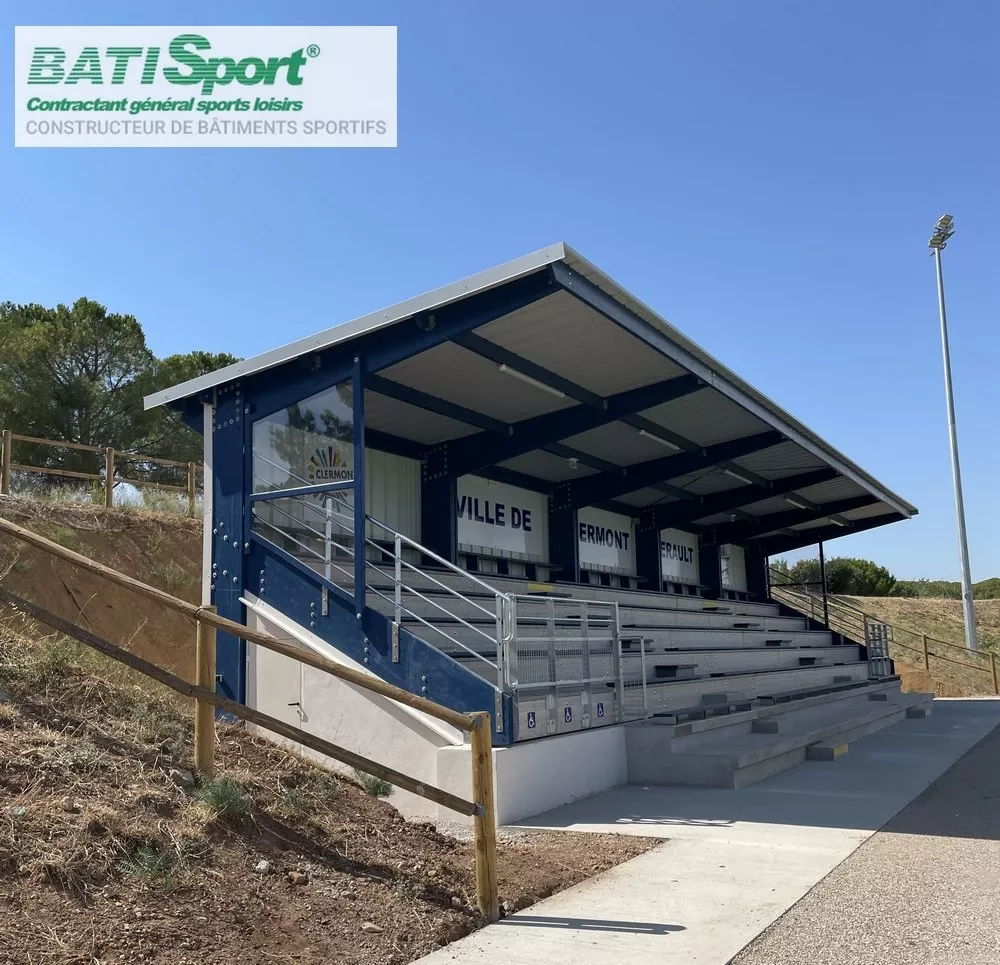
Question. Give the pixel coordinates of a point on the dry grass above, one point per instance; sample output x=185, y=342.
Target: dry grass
x=963, y=673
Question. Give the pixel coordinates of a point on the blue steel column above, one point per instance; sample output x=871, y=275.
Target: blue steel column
x=438, y=514
x=358, y=389
x=648, y=565
x=709, y=566
x=564, y=544
x=756, y=564
x=232, y=458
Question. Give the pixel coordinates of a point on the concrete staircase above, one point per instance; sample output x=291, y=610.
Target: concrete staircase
x=723, y=747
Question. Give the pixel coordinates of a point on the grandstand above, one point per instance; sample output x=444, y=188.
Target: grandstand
x=527, y=493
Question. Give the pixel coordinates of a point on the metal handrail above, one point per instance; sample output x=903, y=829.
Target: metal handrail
x=344, y=518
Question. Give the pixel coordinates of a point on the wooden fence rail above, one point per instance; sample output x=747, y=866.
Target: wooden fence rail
x=849, y=620
x=482, y=807
x=107, y=479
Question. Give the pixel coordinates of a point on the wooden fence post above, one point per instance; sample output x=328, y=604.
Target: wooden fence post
x=5, y=460
x=993, y=667
x=204, y=712
x=109, y=477
x=485, y=822
x=927, y=656
x=191, y=491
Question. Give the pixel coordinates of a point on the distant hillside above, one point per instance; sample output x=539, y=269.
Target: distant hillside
x=948, y=589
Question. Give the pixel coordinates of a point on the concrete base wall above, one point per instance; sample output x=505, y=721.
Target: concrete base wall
x=540, y=775
x=347, y=716
x=529, y=778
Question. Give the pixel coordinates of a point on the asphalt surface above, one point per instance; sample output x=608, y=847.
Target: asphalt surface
x=925, y=890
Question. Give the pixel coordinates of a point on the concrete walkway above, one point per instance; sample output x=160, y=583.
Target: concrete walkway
x=734, y=861
x=922, y=891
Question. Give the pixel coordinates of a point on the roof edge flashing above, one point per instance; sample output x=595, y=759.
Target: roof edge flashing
x=354, y=328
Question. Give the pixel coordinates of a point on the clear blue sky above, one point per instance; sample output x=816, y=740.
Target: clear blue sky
x=765, y=174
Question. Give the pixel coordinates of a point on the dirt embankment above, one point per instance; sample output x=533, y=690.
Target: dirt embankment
x=161, y=549
x=112, y=852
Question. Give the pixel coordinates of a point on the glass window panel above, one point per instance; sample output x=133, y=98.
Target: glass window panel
x=307, y=443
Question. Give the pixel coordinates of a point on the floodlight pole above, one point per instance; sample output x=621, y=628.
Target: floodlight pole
x=968, y=608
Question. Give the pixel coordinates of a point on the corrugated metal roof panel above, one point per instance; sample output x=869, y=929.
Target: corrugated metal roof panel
x=784, y=459
x=647, y=497
x=706, y=418
x=409, y=422
x=617, y=443
x=544, y=465
x=829, y=491
x=569, y=338
x=456, y=375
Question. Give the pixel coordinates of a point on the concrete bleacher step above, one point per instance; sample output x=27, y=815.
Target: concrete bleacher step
x=754, y=745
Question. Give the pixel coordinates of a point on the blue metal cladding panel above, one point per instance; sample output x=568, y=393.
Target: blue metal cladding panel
x=422, y=669
x=229, y=433
x=360, y=577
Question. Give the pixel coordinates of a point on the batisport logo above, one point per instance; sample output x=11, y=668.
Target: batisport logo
x=205, y=86
x=189, y=64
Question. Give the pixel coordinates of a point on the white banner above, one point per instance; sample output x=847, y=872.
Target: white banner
x=734, y=568
x=679, y=556
x=607, y=541
x=504, y=519
x=204, y=86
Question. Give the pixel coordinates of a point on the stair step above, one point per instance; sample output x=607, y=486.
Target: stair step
x=769, y=746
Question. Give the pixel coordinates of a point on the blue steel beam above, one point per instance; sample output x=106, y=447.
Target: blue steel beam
x=496, y=353
x=486, y=449
x=593, y=489
x=397, y=445
x=740, y=496
x=423, y=400
x=737, y=532
x=428, y=329
x=584, y=458
x=773, y=545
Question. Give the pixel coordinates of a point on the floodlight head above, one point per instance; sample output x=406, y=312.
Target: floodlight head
x=943, y=230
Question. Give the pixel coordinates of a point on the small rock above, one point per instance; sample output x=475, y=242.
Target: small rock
x=181, y=777
x=262, y=867
x=508, y=907
x=372, y=928
x=69, y=806
x=297, y=878
x=456, y=902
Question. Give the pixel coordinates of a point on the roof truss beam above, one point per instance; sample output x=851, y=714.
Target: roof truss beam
x=593, y=489
x=732, y=499
x=603, y=303
x=423, y=400
x=496, y=353
x=736, y=532
x=774, y=545
x=486, y=449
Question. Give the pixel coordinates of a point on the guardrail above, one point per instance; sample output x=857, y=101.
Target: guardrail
x=477, y=725
x=320, y=527
x=108, y=480
x=851, y=621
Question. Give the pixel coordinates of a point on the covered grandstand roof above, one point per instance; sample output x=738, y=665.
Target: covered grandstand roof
x=543, y=372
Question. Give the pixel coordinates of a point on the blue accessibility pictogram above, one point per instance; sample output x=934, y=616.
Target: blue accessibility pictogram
x=600, y=710
x=531, y=719
x=568, y=714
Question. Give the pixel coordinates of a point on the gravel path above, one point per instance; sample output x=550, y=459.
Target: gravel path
x=922, y=891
